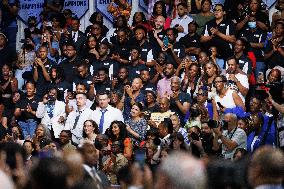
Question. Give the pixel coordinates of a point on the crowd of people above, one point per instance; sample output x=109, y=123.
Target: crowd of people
x=189, y=96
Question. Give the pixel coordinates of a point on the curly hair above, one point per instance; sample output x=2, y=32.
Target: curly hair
x=95, y=126
x=122, y=132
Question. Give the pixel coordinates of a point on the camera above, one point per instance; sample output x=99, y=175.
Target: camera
x=194, y=136
x=50, y=98
x=213, y=124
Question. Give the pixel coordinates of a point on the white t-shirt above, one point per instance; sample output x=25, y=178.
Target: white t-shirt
x=243, y=79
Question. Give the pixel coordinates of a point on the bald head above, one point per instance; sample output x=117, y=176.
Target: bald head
x=137, y=84
x=164, y=104
x=183, y=171
x=159, y=22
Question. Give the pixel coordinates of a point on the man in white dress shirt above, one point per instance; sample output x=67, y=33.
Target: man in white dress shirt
x=181, y=22
x=52, y=112
x=105, y=113
x=76, y=118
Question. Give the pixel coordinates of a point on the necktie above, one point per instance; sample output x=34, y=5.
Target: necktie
x=101, y=125
x=50, y=108
x=74, y=36
x=77, y=119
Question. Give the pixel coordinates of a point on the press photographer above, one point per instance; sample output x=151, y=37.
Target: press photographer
x=229, y=137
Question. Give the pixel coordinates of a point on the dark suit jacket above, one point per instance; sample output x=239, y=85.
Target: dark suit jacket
x=104, y=180
x=78, y=44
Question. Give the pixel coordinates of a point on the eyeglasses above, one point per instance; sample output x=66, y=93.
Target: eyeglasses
x=200, y=94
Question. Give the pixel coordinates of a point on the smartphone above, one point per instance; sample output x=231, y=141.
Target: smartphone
x=140, y=157
x=166, y=42
x=260, y=77
x=220, y=105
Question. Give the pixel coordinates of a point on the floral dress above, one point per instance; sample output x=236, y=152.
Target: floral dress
x=139, y=127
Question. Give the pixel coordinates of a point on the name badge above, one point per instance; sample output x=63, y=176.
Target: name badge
x=61, y=89
x=108, y=89
x=144, y=50
x=148, y=89
x=222, y=24
x=106, y=64
x=256, y=35
x=241, y=61
x=138, y=72
x=160, y=36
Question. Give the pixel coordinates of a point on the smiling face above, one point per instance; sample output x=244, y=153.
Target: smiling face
x=88, y=128
x=219, y=83
x=136, y=84
x=159, y=22
x=5, y=70
x=115, y=129
x=135, y=111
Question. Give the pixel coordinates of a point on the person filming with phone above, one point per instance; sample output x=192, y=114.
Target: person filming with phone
x=237, y=79
x=229, y=137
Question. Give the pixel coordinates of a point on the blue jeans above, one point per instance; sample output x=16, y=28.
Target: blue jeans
x=28, y=127
x=260, y=67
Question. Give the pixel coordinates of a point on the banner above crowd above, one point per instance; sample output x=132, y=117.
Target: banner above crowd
x=30, y=8
x=78, y=7
x=111, y=9
x=143, y=5
x=35, y=7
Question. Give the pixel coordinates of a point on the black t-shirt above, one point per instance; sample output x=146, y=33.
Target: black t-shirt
x=153, y=41
x=41, y=83
x=101, y=87
x=276, y=59
x=121, y=49
x=259, y=16
x=70, y=69
x=190, y=41
x=6, y=95
x=245, y=64
x=23, y=103
x=86, y=80
x=109, y=64
x=61, y=86
x=179, y=50
x=7, y=55
x=226, y=27
x=182, y=97
x=149, y=87
x=257, y=36
x=147, y=51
